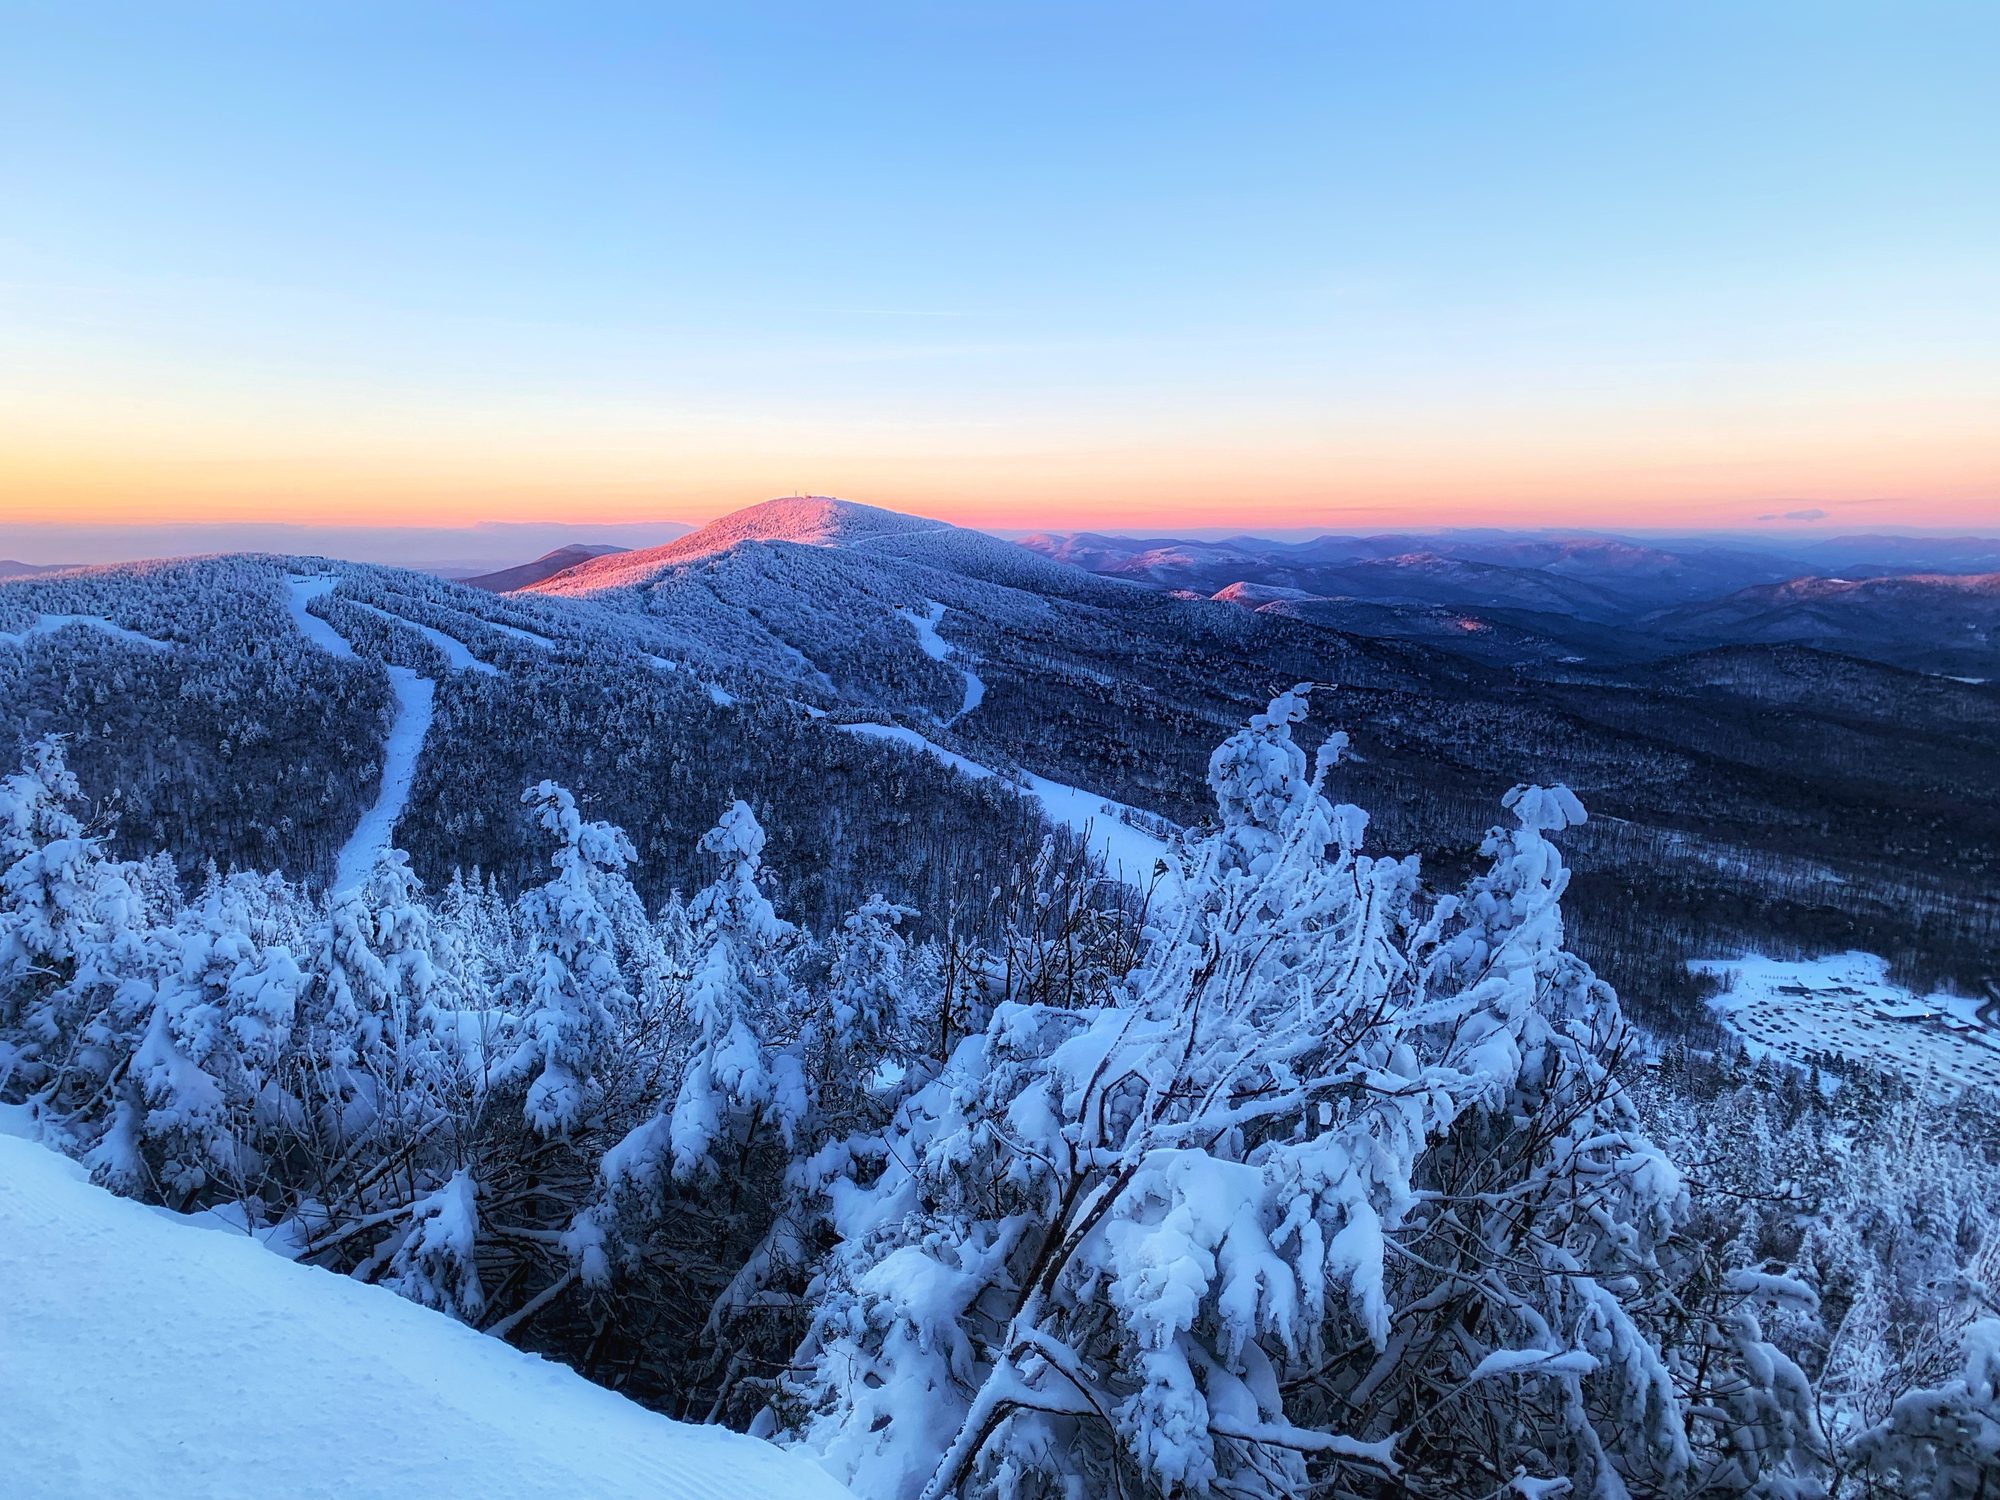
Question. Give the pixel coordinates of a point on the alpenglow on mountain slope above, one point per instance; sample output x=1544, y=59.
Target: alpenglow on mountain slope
x=857, y=981
x=817, y=521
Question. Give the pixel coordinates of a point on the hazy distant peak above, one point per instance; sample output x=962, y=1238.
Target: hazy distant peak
x=546, y=566
x=11, y=569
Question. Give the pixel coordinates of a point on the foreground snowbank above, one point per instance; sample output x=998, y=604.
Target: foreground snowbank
x=141, y=1355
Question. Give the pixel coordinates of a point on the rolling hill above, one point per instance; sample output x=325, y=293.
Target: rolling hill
x=839, y=665
x=546, y=566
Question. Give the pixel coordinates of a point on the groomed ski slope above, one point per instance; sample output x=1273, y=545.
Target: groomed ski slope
x=143, y=1355
x=301, y=591
x=415, y=703
x=455, y=651
x=937, y=648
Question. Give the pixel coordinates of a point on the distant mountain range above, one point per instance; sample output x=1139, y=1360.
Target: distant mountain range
x=911, y=706
x=1918, y=602
x=448, y=551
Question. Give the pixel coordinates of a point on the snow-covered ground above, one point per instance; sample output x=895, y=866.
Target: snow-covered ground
x=937, y=648
x=142, y=1355
x=1127, y=852
x=415, y=703
x=50, y=624
x=1846, y=1003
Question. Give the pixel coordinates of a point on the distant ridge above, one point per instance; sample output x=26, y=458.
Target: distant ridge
x=546, y=566
x=11, y=569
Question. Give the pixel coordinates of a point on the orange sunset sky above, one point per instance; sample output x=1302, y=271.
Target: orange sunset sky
x=1143, y=268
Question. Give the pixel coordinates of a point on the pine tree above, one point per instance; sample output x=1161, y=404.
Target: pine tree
x=571, y=991
x=213, y=1025
x=732, y=1082
x=382, y=1048
x=735, y=1082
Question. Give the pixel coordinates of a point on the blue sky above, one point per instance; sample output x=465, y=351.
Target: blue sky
x=1666, y=263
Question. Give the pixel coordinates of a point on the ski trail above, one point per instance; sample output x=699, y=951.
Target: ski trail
x=455, y=651
x=719, y=695
x=416, y=699
x=514, y=630
x=1127, y=853
x=416, y=702
x=937, y=648
x=50, y=624
x=301, y=591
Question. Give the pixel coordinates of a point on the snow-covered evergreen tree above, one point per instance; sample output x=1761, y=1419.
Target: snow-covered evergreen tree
x=1275, y=1218
x=214, y=1023
x=73, y=925
x=735, y=1081
x=571, y=992
x=868, y=1009
x=383, y=1044
x=435, y=1261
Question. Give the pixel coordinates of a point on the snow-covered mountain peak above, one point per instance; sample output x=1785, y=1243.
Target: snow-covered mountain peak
x=808, y=520
x=871, y=549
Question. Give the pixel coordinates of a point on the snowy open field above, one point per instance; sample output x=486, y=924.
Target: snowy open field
x=144, y=1355
x=1846, y=1003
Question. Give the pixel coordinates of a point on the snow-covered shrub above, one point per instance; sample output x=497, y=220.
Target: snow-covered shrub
x=1338, y=1191
x=1944, y=1440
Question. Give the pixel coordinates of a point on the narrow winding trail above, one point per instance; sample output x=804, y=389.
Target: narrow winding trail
x=937, y=648
x=416, y=702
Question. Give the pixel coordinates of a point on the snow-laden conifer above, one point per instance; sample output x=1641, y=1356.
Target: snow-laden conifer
x=733, y=1082
x=1271, y=1219
x=570, y=991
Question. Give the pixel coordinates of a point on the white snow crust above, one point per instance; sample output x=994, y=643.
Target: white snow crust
x=145, y=1356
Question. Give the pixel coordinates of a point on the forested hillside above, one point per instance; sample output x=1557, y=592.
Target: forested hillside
x=868, y=984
